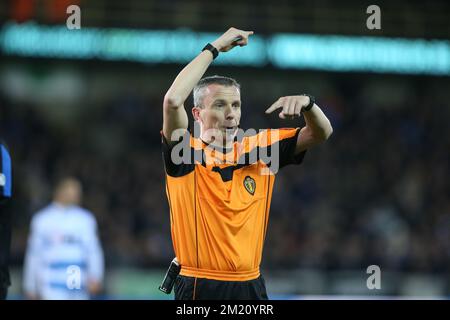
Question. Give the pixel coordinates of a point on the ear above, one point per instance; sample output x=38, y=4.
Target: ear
x=196, y=113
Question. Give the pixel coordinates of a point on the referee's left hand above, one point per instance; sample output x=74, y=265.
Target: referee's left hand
x=292, y=106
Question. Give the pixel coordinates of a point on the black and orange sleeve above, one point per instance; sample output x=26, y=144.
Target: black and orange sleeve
x=288, y=143
x=175, y=163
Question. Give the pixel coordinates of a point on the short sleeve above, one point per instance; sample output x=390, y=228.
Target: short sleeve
x=287, y=145
x=174, y=156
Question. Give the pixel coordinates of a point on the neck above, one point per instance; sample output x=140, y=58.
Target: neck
x=62, y=202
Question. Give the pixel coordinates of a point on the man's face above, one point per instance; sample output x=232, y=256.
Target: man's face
x=69, y=192
x=221, y=113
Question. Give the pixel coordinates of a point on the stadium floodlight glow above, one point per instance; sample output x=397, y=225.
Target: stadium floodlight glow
x=339, y=53
x=295, y=51
x=159, y=46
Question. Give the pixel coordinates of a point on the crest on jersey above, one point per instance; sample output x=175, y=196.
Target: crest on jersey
x=250, y=185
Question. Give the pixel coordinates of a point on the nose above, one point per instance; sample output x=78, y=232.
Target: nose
x=229, y=114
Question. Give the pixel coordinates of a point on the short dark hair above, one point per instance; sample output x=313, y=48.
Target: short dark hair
x=203, y=83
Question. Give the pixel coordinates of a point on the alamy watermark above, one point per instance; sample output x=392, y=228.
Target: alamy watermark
x=374, y=20
x=374, y=280
x=73, y=281
x=264, y=147
x=74, y=20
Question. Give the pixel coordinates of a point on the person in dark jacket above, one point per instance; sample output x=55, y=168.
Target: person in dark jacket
x=5, y=218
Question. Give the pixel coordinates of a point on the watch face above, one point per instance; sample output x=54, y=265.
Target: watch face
x=311, y=102
x=212, y=49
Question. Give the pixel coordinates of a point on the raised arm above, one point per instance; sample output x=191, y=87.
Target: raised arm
x=174, y=113
x=318, y=128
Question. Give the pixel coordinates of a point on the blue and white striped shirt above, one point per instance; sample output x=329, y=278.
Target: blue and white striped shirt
x=63, y=254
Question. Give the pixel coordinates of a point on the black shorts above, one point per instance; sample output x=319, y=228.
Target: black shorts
x=189, y=288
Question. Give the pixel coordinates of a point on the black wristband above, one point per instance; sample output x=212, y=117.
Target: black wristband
x=312, y=100
x=211, y=48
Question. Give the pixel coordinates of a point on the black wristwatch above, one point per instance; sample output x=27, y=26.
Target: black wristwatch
x=211, y=48
x=312, y=100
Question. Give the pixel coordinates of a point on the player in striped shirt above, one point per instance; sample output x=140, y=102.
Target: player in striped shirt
x=64, y=258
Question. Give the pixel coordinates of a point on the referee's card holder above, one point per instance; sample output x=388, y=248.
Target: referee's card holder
x=170, y=277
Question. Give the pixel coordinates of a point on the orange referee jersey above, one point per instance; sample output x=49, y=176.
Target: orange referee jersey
x=220, y=200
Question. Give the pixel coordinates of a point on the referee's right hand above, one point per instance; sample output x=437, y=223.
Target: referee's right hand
x=231, y=38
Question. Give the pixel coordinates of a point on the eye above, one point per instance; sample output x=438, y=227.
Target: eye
x=236, y=105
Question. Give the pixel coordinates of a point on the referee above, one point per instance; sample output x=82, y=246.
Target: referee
x=5, y=219
x=219, y=183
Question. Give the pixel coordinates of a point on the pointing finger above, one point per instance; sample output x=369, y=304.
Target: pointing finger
x=274, y=106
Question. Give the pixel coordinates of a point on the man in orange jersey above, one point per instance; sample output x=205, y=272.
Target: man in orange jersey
x=219, y=182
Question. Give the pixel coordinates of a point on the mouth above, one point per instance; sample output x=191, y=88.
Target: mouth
x=230, y=127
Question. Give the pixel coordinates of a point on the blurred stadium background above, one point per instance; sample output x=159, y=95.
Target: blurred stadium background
x=88, y=102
